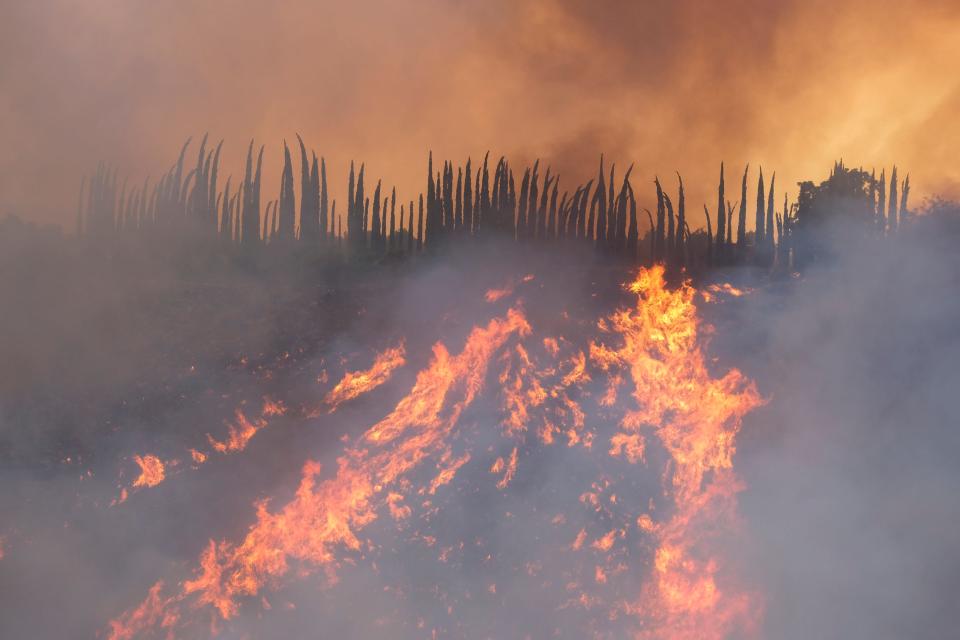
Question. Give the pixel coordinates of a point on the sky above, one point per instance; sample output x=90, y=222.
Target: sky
x=669, y=85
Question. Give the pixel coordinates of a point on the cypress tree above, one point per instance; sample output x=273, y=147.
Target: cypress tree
x=892, y=214
x=729, y=241
x=265, y=222
x=438, y=214
x=410, y=229
x=379, y=233
x=236, y=216
x=449, y=221
x=542, y=211
x=393, y=216
x=782, y=228
x=420, y=226
x=467, y=200
x=681, y=221
x=905, y=191
x=721, y=219
x=250, y=224
x=496, y=214
x=742, y=218
x=458, y=216
x=768, y=227
x=365, y=227
x=351, y=199
x=586, y=224
x=524, y=199
x=882, y=202
x=660, y=233
x=375, y=222
x=611, y=215
x=759, y=222
x=633, y=234
x=552, y=215
x=671, y=230
x=706, y=213
x=532, y=203
x=309, y=200
x=396, y=244
x=484, y=193
x=563, y=213
x=273, y=220
x=287, y=205
x=212, y=192
x=510, y=206
x=323, y=197
x=224, y=222
x=653, y=236
x=600, y=200
x=361, y=209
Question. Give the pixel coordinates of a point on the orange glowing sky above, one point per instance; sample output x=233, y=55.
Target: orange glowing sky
x=669, y=84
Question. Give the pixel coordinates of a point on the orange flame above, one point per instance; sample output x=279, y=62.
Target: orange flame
x=329, y=513
x=152, y=471
x=355, y=383
x=696, y=418
x=654, y=349
x=238, y=435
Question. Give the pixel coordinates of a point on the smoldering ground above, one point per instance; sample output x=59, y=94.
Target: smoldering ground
x=851, y=484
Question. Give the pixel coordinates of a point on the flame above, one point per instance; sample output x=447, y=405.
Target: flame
x=238, y=435
x=329, y=513
x=508, y=469
x=152, y=471
x=492, y=295
x=724, y=288
x=495, y=294
x=696, y=418
x=153, y=612
x=272, y=408
x=652, y=384
x=355, y=383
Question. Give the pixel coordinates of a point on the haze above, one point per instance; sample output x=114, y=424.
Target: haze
x=669, y=85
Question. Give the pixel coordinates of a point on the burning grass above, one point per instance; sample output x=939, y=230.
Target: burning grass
x=407, y=464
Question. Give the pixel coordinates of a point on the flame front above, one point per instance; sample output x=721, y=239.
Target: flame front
x=696, y=419
x=356, y=383
x=551, y=392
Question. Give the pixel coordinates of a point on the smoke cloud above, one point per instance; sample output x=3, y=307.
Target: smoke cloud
x=667, y=85
x=849, y=467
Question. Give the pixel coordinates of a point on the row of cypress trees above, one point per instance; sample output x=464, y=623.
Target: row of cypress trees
x=460, y=202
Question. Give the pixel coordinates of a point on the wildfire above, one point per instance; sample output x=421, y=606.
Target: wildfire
x=709, y=294
x=399, y=466
x=696, y=418
x=356, y=383
x=152, y=471
x=238, y=434
x=492, y=295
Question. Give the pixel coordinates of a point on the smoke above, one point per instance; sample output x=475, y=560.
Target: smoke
x=668, y=85
x=849, y=467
